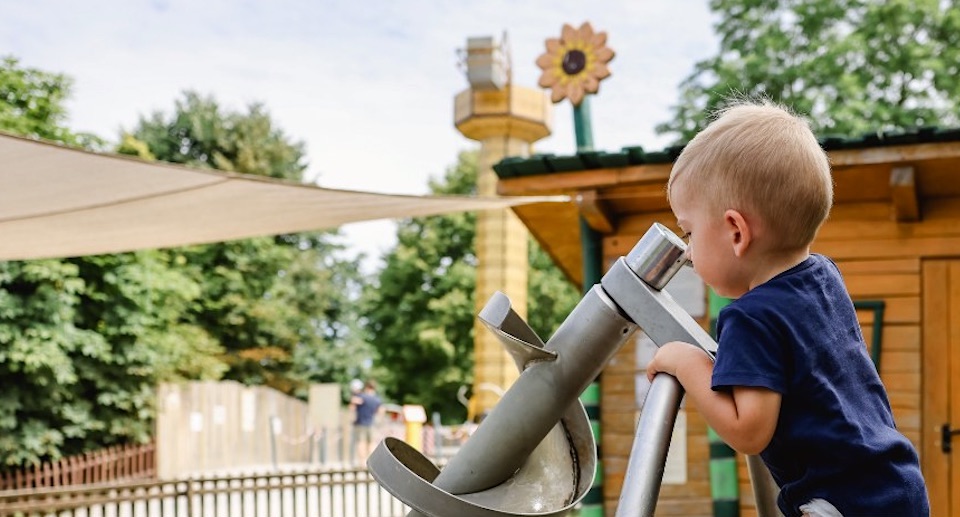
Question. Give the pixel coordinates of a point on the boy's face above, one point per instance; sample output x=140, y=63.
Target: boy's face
x=708, y=241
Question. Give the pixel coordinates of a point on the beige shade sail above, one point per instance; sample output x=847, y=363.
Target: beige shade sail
x=62, y=202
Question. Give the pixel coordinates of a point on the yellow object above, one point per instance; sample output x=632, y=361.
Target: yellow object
x=574, y=64
x=414, y=416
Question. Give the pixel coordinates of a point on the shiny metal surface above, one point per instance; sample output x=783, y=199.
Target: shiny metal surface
x=551, y=482
x=539, y=489
x=648, y=456
x=765, y=489
x=657, y=256
x=520, y=341
x=585, y=341
x=654, y=311
x=534, y=455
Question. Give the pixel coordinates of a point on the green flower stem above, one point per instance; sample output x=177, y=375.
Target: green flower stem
x=582, y=125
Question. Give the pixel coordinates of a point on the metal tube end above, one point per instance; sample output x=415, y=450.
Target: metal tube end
x=657, y=256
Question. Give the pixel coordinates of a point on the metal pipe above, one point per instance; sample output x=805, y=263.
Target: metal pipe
x=765, y=489
x=641, y=486
x=552, y=377
x=586, y=340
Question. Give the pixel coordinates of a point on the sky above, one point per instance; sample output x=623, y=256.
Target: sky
x=367, y=86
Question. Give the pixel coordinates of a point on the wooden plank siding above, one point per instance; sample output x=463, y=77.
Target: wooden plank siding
x=936, y=345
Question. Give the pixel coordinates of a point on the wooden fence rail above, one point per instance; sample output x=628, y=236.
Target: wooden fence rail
x=120, y=463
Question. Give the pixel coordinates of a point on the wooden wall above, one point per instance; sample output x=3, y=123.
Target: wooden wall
x=881, y=260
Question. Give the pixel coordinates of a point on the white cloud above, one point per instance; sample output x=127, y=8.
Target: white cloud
x=368, y=86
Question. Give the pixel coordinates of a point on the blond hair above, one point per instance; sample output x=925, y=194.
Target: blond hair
x=760, y=159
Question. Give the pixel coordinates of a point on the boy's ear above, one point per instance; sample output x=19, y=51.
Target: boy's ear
x=739, y=230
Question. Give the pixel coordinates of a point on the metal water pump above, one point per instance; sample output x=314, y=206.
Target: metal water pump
x=534, y=454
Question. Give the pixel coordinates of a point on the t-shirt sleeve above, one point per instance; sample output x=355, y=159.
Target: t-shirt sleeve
x=749, y=353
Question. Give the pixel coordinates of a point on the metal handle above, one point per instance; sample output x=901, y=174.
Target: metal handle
x=946, y=436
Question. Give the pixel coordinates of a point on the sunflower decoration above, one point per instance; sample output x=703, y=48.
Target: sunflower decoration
x=575, y=64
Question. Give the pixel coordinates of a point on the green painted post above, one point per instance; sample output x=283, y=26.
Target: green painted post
x=724, y=484
x=592, y=253
x=582, y=125
x=724, y=488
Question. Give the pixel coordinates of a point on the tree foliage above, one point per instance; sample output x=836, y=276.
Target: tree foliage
x=280, y=306
x=850, y=66
x=420, y=309
x=84, y=341
x=31, y=104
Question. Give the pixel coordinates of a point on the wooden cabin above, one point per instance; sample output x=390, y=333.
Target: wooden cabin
x=894, y=232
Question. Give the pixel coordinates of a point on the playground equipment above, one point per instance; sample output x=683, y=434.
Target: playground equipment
x=534, y=454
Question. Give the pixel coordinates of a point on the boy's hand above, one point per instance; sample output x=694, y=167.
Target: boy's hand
x=745, y=417
x=671, y=356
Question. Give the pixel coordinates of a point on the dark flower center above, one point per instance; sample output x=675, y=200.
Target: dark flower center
x=574, y=61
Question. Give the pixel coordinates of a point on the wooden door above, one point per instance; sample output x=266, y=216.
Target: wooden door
x=941, y=384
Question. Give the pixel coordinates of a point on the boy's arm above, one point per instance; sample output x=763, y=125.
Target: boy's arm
x=745, y=418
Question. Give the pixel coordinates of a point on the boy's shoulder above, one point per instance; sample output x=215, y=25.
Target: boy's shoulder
x=811, y=273
x=790, y=290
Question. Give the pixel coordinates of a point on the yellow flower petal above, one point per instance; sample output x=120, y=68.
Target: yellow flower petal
x=568, y=34
x=554, y=46
x=557, y=93
x=600, y=71
x=586, y=33
x=548, y=78
x=575, y=93
x=603, y=54
x=591, y=84
x=546, y=61
x=599, y=39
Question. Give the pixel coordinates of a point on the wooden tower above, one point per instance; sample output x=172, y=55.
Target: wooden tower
x=506, y=120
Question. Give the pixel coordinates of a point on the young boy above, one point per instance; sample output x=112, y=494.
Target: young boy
x=792, y=380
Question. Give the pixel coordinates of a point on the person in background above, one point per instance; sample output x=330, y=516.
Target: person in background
x=366, y=405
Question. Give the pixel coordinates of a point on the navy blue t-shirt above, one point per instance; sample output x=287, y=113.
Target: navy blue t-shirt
x=836, y=440
x=367, y=409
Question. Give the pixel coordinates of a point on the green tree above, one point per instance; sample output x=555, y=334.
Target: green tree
x=851, y=66
x=31, y=102
x=40, y=407
x=420, y=309
x=551, y=296
x=279, y=306
x=83, y=341
x=31, y=105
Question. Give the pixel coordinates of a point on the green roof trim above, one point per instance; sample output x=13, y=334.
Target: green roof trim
x=635, y=155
